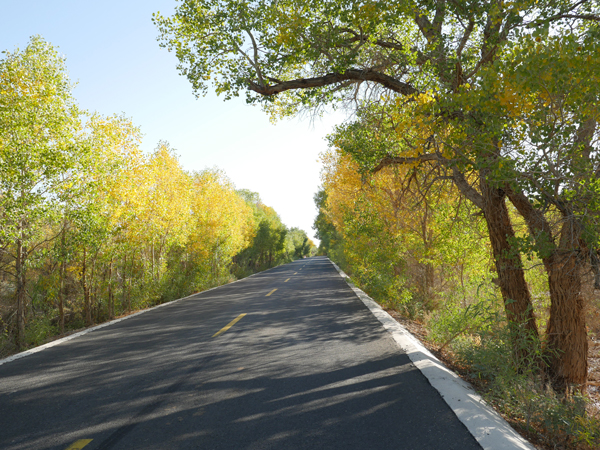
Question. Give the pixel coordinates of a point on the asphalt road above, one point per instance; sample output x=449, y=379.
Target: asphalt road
x=306, y=367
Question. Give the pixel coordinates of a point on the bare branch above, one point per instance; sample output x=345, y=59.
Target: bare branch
x=536, y=222
x=256, y=66
x=360, y=37
x=465, y=38
x=253, y=64
x=593, y=17
x=466, y=189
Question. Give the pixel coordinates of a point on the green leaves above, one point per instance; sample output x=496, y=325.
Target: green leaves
x=39, y=145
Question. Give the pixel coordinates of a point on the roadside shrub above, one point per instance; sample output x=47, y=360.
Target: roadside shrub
x=453, y=320
x=517, y=386
x=38, y=330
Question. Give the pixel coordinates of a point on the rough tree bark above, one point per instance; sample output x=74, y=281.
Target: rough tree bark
x=509, y=267
x=566, y=334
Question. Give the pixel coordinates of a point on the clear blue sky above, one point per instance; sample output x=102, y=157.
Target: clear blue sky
x=112, y=53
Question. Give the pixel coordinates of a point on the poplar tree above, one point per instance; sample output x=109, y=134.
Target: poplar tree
x=39, y=125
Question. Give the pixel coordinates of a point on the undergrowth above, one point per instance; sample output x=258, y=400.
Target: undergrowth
x=518, y=388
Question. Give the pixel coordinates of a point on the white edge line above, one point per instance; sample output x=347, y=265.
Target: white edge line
x=487, y=426
x=31, y=351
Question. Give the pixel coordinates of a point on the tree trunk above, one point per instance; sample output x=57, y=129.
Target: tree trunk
x=511, y=278
x=566, y=332
x=128, y=285
x=94, y=306
x=111, y=299
x=86, y=291
x=123, y=282
x=61, y=285
x=20, y=293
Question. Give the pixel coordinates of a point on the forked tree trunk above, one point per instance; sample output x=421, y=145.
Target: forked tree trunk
x=507, y=259
x=566, y=332
x=511, y=277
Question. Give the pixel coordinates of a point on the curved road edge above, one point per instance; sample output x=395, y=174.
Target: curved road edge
x=484, y=423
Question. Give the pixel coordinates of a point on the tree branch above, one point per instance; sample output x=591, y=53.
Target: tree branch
x=398, y=160
x=360, y=38
x=466, y=189
x=536, y=222
x=354, y=75
x=593, y=17
x=465, y=38
x=426, y=28
x=256, y=66
x=566, y=14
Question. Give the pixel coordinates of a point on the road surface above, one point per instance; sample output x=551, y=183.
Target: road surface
x=287, y=359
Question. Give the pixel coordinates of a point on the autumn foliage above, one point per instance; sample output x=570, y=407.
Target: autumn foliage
x=92, y=227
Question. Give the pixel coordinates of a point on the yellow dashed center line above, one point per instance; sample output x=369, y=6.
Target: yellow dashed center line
x=229, y=325
x=271, y=292
x=77, y=445
x=286, y=280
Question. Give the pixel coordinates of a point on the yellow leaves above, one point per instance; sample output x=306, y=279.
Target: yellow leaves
x=221, y=220
x=514, y=97
x=164, y=196
x=509, y=98
x=370, y=12
x=342, y=184
x=385, y=212
x=291, y=25
x=150, y=200
x=424, y=98
x=414, y=124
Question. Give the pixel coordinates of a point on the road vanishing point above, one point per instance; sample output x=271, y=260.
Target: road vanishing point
x=289, y=358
